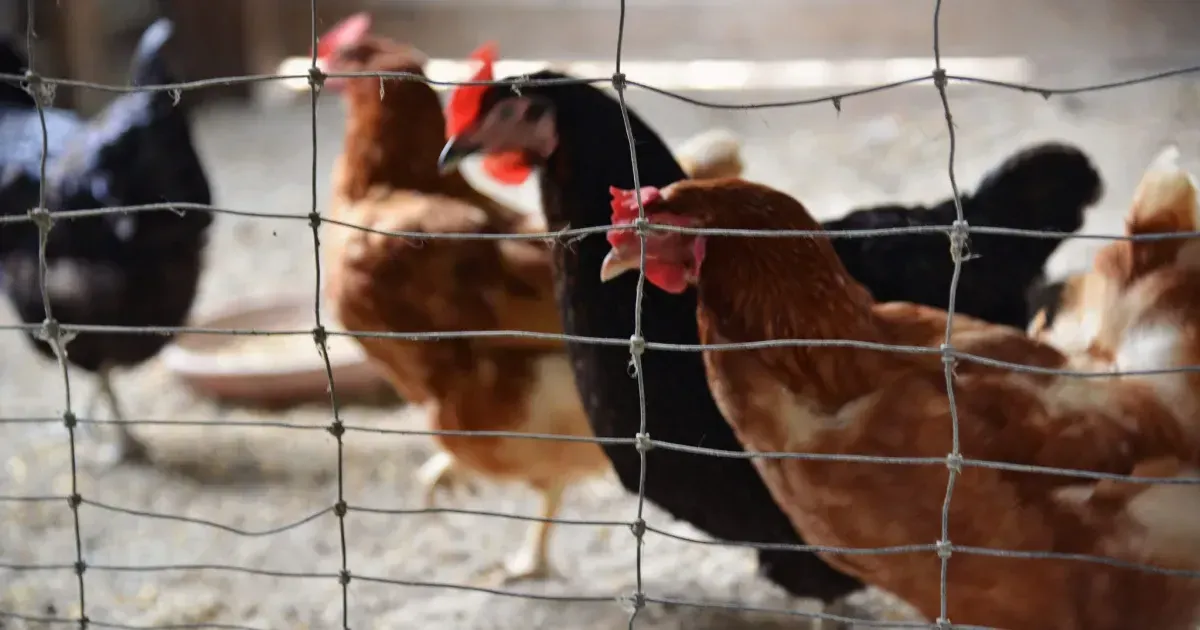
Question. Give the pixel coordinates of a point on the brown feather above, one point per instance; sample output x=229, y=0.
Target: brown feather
x=853, y=401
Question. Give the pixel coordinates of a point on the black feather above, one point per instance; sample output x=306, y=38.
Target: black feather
x=1047, y=186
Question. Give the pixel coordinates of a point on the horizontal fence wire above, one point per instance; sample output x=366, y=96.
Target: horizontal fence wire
x=58, y=334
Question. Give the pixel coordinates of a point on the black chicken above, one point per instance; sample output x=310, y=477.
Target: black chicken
x=134, y=269
x=577, y=135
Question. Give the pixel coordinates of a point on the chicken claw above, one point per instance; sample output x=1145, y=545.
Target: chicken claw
x=531, y=561
x=441, y=471
x=521, y=566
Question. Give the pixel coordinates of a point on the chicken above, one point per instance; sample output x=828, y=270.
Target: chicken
x=387, y=179
x=840, y=401
x=576, y=134
x=137, y=269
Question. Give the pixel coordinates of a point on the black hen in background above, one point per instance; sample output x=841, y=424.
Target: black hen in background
x=135, y=269
x=1047, y=186
x=722, y=496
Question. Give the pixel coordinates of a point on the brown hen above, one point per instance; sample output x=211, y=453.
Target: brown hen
x=842, y=401
x=387, y=179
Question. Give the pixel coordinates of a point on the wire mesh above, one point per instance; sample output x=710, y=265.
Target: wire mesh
x=58, y=334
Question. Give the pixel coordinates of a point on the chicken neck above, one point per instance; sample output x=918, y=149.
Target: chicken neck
x=755, y=290
x=393, y=139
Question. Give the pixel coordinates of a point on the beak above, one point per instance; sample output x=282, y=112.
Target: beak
x=615, y=264
x=455, y=150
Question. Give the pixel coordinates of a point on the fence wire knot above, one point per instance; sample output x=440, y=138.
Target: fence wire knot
x=638, y=527
x=316, y=78
x=637, y=345
x=51, y=332
x=944, y=549
x=642, y=442
x=619, y=81
x=959, y=233
x=954, y=462
x=69, y=419
x=939, y=78
x=38, y=88
x=41, y=218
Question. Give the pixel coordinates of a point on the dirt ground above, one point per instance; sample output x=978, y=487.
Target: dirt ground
x=881, y=147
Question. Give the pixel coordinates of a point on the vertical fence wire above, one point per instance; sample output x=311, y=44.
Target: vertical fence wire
x=50, y=331
x=336, y=428
x=58, y=335
x=958, y=238
x=637, y=344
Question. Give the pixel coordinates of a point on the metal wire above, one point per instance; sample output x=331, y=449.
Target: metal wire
x=57, y=335
x=50, y=331
x=336, y=428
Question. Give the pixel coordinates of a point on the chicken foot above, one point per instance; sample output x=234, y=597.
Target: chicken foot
x=127, y=449
x=438, y=472
x=531, y=561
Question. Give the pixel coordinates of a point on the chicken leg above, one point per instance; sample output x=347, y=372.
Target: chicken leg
x=531, y=561
x=127, y=449
x=441, y=471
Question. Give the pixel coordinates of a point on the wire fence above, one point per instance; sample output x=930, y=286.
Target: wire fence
x=58, y=334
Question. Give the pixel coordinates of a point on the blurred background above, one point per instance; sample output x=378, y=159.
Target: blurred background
x=255, y=140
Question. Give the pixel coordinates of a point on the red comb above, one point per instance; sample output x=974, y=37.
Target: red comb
x=465, y=100
x=346, y=32
x=624, y=202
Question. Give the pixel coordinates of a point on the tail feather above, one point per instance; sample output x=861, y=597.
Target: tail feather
x=148, y=66
x=1165, y=201
x=712, y=154
x=1047, y=186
